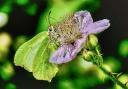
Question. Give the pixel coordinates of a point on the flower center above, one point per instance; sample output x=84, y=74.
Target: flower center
x=66, y=32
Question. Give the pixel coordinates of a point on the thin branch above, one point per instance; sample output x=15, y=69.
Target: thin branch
x=113, y=78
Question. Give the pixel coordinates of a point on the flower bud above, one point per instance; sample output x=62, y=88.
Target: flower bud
x=87, y=55
x=93, y=57
x=92, y=42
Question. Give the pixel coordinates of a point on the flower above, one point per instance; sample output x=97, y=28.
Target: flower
x=72, y=34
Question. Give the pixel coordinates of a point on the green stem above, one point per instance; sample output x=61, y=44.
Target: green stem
x=113, y=78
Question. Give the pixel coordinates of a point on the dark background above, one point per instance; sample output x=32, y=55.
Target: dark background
x=114, y=10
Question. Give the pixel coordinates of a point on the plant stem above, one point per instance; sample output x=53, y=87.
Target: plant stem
x=113, y=78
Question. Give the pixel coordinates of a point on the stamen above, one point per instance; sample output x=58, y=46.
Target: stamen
x=66, y=32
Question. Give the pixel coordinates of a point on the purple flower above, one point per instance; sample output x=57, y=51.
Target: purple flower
x=68, y=51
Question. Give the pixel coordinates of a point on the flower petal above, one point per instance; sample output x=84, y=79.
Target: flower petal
x=62, y=55
x=79, y=44
x=97, y=27
x=67, y=52
x=87, y=20
x=84, y=18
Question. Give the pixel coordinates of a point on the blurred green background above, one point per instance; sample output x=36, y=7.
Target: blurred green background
x=20, y=20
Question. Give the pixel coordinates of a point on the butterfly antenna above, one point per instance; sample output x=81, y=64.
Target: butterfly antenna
x=48, y=18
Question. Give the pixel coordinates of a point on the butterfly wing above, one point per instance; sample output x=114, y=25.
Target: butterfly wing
x=26, y=52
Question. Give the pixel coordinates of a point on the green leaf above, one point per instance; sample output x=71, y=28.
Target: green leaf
x=26, y=53
x=42, y=69
x=34, y=57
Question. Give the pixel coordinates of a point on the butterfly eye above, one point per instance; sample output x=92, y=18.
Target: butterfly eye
x=49, y=29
